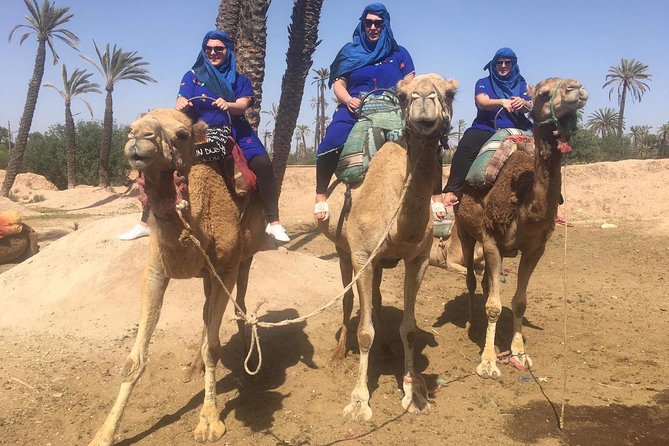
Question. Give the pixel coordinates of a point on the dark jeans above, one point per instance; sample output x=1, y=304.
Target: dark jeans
x=261, y=165
x=464, y=156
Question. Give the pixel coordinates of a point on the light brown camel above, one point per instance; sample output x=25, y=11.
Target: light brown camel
x=426, y=104
x=230, y=230
x=518, y=212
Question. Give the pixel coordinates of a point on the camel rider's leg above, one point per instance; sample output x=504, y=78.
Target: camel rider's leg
x=261, y=165
x=326, y=164
x=464, y=156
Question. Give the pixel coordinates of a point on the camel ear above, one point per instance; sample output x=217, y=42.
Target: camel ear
x=530, y=90
x=402, y=90
x=451, y=88
x=200, y=132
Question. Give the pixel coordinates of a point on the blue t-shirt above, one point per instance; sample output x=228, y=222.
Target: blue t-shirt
x=485, y=119
x=384, y=74
x=203, y=109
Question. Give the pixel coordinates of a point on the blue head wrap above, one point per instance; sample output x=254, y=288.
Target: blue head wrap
x=509, y=85
x=360, y=52
x=221, y=79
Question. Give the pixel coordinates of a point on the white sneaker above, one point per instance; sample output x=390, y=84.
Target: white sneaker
x=136, y=232
x=278, y=232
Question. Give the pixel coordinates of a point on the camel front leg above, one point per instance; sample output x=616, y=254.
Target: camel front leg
x=211, y=428
x=415, y=391
x=493, y=308
x=154, y=284
x=528, y=261
x=346, y=270
x=468, y=244
x=359, y=409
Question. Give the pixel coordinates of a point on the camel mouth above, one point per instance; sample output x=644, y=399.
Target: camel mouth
x=138, y=161
x=425, y=126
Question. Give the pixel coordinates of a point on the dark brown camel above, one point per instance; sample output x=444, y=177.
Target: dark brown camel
x=518, y=213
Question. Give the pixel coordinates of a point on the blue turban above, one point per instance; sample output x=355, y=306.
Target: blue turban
x=509, y=85
x=360, y=52
x=221, y=79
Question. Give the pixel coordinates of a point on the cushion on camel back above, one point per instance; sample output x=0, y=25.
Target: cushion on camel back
x=10, y=223
x=494, y=153
x=380, y=121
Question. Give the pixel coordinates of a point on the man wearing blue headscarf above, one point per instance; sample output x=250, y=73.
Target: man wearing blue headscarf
x=501, y=101
x=213, y=92
x=372, y=60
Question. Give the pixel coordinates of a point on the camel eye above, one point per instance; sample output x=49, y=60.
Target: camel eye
x=183, y=134
x=545, y=95
x=432, y=95
x=415, y=95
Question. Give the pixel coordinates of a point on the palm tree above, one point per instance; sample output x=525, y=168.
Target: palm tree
x=322, y=76
x=664, y=135
x=46, y=23
x=115, y=65
x=302, y=42
x=266, y=138
x=73, y=86
x=302, y=131
x=246, y=23
x=273, y=113
x=603, y=121
x=628, y=76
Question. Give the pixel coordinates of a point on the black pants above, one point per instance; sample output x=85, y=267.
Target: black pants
x=327, y=164
x=325, y=167
x=145, y=214
x=464, y=156
x=261, y=165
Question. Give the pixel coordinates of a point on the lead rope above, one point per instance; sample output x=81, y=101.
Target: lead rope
x=253, y=318
x=565, y=306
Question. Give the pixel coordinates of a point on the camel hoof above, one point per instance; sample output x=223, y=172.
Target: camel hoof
x=208, y=430
x=488, y=369
x=358, y=411
x=193, y=371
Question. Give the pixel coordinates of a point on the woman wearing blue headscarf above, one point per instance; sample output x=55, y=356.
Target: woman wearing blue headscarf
x=214, y=74
x=504, y=88
x=372, y=60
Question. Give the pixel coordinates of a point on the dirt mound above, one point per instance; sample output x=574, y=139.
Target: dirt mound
x=28, y=186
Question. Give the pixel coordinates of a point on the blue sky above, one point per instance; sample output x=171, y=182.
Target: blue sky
x=568, y=38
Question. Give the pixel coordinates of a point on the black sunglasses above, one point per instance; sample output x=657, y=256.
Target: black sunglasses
x=377, y=23
x=508, y=63
x=215, y=49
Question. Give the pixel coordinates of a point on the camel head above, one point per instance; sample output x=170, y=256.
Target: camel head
x=163, y=140
x=566, y=96
x=427, y=102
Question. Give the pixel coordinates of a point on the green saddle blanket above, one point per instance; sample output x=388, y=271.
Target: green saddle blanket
x=380, y=121
x=494, y=153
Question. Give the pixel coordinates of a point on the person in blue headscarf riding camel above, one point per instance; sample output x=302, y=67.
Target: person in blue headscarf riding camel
x=372, y=60
x=504, y=88
x=214, y=75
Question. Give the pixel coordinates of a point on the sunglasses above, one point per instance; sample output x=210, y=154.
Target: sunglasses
x=501, y=63
x=215, y=49
x=377, y=23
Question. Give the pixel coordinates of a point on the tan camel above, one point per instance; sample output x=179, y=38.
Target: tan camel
x=17, y=247
x=518, y=212
x=230, y=230
x=447, y=253
x=426, y=103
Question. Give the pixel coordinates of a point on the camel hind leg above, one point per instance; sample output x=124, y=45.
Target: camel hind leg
x=415, y=391
x=468, y=244
x=196, y=367
x=346, y=270
x=493, y=307
x=154, y=284
x=528, y=261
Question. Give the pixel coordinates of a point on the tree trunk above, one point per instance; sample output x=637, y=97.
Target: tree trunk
x=322, y=118
x=622, y=111
x=302, y=42
x=70, y=147
x=229, y=14
x=19, y=148
x=105, y=146
x=250, y=49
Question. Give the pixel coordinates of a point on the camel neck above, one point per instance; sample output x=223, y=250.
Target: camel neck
x=547, y=171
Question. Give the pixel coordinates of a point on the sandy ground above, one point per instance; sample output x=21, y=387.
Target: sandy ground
x=69, y=314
